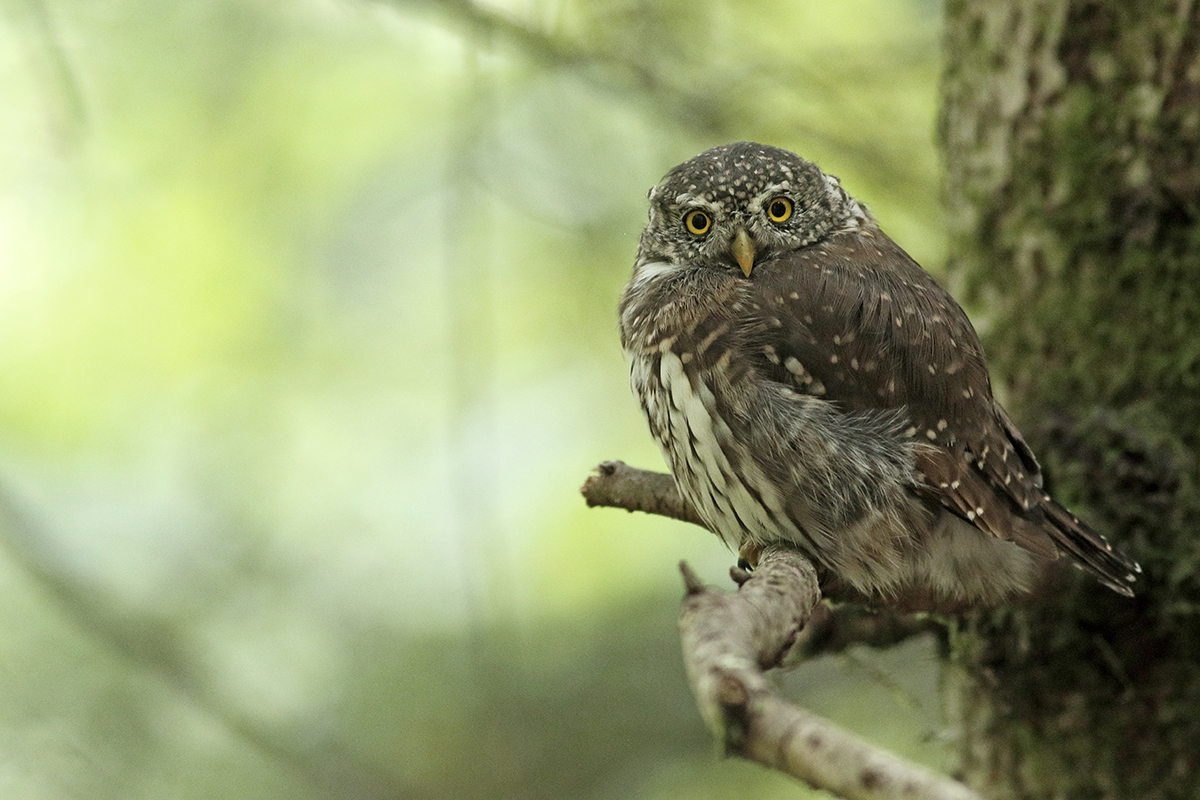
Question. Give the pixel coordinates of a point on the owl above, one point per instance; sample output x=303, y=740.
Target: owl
x=810, y=384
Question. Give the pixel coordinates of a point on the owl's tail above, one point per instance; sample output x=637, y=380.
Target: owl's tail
x=1090, y=550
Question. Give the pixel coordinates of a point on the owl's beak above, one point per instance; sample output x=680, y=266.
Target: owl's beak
x=743, y=251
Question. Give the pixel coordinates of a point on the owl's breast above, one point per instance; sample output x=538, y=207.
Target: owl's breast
x=672, y=301
x=682, y=331
x=700, y=431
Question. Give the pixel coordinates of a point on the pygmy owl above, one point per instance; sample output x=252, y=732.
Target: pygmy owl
x=810, y=384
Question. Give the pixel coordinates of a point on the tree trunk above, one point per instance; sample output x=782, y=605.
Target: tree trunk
x=1071, y=132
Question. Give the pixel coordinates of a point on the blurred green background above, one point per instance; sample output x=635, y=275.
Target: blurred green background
x=307, y=340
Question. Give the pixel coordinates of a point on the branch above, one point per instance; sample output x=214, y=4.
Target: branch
x=730, y=639
x=618, y=485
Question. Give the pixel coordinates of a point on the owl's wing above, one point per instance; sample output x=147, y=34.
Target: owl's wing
x=857, y=322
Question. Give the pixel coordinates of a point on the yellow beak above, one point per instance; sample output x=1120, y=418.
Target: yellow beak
x=743, y=251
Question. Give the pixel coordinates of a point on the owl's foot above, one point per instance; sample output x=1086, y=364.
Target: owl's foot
x=748, y=555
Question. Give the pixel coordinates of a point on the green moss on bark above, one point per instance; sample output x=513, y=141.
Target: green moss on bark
x=1071, y=133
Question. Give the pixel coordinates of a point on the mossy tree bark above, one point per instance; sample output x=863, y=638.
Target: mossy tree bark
x=1071, y=132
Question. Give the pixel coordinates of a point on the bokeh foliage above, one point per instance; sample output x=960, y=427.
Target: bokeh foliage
x=307, y=339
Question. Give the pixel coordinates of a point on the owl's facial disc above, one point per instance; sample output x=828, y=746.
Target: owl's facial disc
x=739, y=206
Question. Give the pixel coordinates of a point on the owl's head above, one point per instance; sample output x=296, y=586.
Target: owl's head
x=739, y=204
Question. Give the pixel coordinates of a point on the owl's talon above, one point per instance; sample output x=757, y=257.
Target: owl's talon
x=748, y=556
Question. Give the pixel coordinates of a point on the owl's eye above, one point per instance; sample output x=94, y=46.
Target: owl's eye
x=780, y=209
x=697, y=222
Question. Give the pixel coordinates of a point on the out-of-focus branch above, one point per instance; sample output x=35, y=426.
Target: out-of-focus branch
x=728, y=642
x=699, y=109
x=63, y=97
x=708, y=105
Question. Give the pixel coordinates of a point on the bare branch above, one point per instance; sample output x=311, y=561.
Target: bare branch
x=618, y=485
x=730, y=639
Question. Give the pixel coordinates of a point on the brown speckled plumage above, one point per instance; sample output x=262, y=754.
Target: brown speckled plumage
x=830, y=393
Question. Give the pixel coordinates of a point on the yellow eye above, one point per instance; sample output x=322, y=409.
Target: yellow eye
x=697, y=222
x=780, y=209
